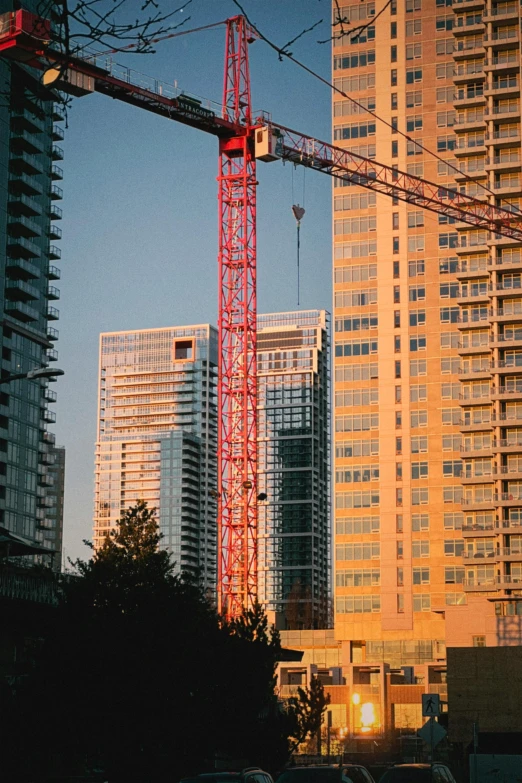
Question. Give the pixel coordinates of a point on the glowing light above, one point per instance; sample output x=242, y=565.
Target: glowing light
x=368, y=718
x=356, y=698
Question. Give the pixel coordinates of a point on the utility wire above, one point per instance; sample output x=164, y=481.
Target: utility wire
x=164, y=38
x=283, y=53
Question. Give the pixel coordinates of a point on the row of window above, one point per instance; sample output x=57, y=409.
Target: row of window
x=420, y=523
x=371, y=550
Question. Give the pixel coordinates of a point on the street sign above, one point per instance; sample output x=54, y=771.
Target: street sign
x=432, y=733
x=430, y=705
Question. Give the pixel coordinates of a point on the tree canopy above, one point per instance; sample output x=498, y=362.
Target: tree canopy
x=139, y=677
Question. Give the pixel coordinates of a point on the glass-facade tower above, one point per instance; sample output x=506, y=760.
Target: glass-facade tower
x=293, y=454
x=29, y=197
x=157, y=438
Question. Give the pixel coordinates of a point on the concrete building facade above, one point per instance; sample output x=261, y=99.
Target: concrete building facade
x=157, y=438
x=29, y=214
x=426, y=341
x=293, y=458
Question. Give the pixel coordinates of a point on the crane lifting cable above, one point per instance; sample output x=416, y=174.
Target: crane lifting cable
x=298, y=214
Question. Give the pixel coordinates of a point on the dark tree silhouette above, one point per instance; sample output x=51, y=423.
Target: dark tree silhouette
x=139, y=677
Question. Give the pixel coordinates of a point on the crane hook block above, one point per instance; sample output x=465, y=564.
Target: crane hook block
x=298, y=212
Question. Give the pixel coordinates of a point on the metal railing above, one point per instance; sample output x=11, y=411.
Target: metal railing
x=16, y=584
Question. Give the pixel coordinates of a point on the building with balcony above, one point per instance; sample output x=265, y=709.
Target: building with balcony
x=293, y=459
x=427, y=316
x=157, y=438
x=29, y=117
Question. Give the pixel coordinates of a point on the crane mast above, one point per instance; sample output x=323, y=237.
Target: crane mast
x=237, y=403
x=26, y=38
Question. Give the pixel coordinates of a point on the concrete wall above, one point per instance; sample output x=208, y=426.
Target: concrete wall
x=484, y=686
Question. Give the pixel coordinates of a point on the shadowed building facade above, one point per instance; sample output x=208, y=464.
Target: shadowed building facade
x=293, y=453
x=29, y=216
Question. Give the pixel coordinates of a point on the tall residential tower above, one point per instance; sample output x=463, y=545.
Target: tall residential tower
x=157, y=438
x=294, y=458
x=29, y=211
x=428, y=454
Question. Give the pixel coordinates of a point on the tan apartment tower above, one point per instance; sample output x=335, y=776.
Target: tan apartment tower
x=427, y=340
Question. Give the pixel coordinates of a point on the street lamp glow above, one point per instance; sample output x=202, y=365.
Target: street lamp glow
x=356, y=698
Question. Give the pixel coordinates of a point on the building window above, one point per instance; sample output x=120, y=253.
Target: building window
x=399, y=523
x=393, y=54
x=420, y=522
x=397, y=319
x=418, y=392
x=421, y=575
x=393, y=77
x=453, y=547
x=418, y=367
x=479, y=641
x=414, y=51
x=422, y=603
x=413, y=27
x=413, y=75
x=398, y=368
x=420, y=496
x=419, y=470
x=419, y=444
x=400, y=603
x=398, y=445
x=417, y=317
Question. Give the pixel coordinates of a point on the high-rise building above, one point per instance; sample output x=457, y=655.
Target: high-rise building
x=428, y=453
x=29, y=196
x=293, y=455
x=55, y=501
x=157, y=438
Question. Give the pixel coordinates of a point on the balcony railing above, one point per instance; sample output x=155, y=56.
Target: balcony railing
x=502, y=35
x=17, y=584
x=508, y=579
x=511, y=157
x=504, y=443
x=510, y=551
x=472, y=528
x=517, y=389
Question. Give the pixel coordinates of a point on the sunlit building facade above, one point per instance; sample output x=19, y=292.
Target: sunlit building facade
x=30, y=212
x=293, y=453
x=157, y=438
x=427, y=342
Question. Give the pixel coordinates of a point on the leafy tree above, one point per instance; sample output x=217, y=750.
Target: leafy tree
x=307, y=709
x=138, y=676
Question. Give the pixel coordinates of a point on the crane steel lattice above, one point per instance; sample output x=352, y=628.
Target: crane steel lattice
x=26, y=38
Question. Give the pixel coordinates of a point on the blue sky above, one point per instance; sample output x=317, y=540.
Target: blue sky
x=140, y=212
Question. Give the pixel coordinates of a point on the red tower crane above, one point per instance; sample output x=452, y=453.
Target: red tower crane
x=242, y=139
